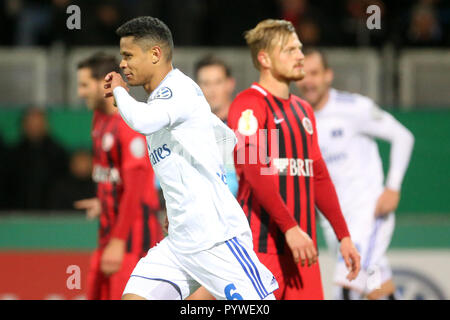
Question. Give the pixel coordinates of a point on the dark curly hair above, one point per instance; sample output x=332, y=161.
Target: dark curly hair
x=148, y=31
x=212, y=60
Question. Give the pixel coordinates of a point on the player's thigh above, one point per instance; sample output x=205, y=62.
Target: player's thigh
x=159, y=276
x=310, y=287
x=377, y=243
x=231, y=270
x=372, y=245
x=361, y=230
x=95, y=278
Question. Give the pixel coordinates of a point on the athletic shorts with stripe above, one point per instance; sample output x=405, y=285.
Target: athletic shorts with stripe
x=371, y=237
x=229, y=270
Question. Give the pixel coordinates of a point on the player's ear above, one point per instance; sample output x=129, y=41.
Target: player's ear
x=264, y=59
x=156, y=54
x=329, y=76
x=231, y=84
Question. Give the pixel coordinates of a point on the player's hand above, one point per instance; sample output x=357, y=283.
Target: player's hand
x=387, y=202
x=112, y=256
x=92, y=206
x=351, y=257
x=301, y=245
x=113, y=80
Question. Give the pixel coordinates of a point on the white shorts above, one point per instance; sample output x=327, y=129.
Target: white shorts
x=372, y=238
x=229, y=270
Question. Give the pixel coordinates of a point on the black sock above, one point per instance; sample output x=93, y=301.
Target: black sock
x=346, y=294
x=392, y=297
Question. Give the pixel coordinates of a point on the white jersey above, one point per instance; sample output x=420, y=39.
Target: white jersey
x=347, y=126
x=185, y=141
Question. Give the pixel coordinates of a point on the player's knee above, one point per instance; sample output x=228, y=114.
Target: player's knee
x=386, y=290
x=131, y=296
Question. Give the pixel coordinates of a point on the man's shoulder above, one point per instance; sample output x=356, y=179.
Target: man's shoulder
x=177, y=86
x=250, y=97
x=350, y=99
x=254, y=91
x=183, y=84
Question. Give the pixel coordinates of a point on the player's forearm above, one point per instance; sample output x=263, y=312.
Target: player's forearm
x=129, y=203
x=390, y=129
x=265, y=191
x=140, y=116
x=400, y=154
x=327, y=201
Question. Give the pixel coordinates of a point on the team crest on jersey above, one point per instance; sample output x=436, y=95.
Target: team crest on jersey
x=247, y=124
x=307, y=125
x=137, y=147
x=163, y=93
x=107, y=141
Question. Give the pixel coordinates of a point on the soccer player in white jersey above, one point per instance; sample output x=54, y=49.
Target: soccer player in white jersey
x=347, y=126
x=209, y=240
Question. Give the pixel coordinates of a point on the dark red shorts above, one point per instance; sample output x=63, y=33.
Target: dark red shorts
x=295, y=282
x=101, y=287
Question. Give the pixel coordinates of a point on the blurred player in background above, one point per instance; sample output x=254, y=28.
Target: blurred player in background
x=214, y=77
x=126, y=197
x=209, y=240
x=280, y=200
x=348, y=125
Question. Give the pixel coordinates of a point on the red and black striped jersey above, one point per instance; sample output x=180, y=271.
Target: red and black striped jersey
x=284, y=132
x=118, y=150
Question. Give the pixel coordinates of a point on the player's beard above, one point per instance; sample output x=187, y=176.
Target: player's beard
x=297, y=75
x=291, y=75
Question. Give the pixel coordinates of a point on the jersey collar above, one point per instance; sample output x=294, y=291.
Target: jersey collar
x=170, y=74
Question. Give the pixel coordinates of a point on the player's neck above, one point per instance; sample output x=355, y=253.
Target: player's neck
x=222, y=113
x=108, y=107
x=322, y=101
x=158, y=77
x=275, y=86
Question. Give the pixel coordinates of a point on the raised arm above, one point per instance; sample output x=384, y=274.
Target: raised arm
x=380, y=124
x=141, y=117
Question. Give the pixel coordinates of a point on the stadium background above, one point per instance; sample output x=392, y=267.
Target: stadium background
x=404, y=67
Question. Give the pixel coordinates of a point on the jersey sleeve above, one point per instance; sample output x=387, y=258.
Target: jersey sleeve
x=141, y=117
x=377, y=123
x=246, y=117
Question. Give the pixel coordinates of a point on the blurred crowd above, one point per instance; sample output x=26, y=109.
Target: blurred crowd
x=415, y=23
x=38, y=173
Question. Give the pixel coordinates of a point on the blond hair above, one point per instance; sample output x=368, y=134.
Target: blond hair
x=263, y=36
